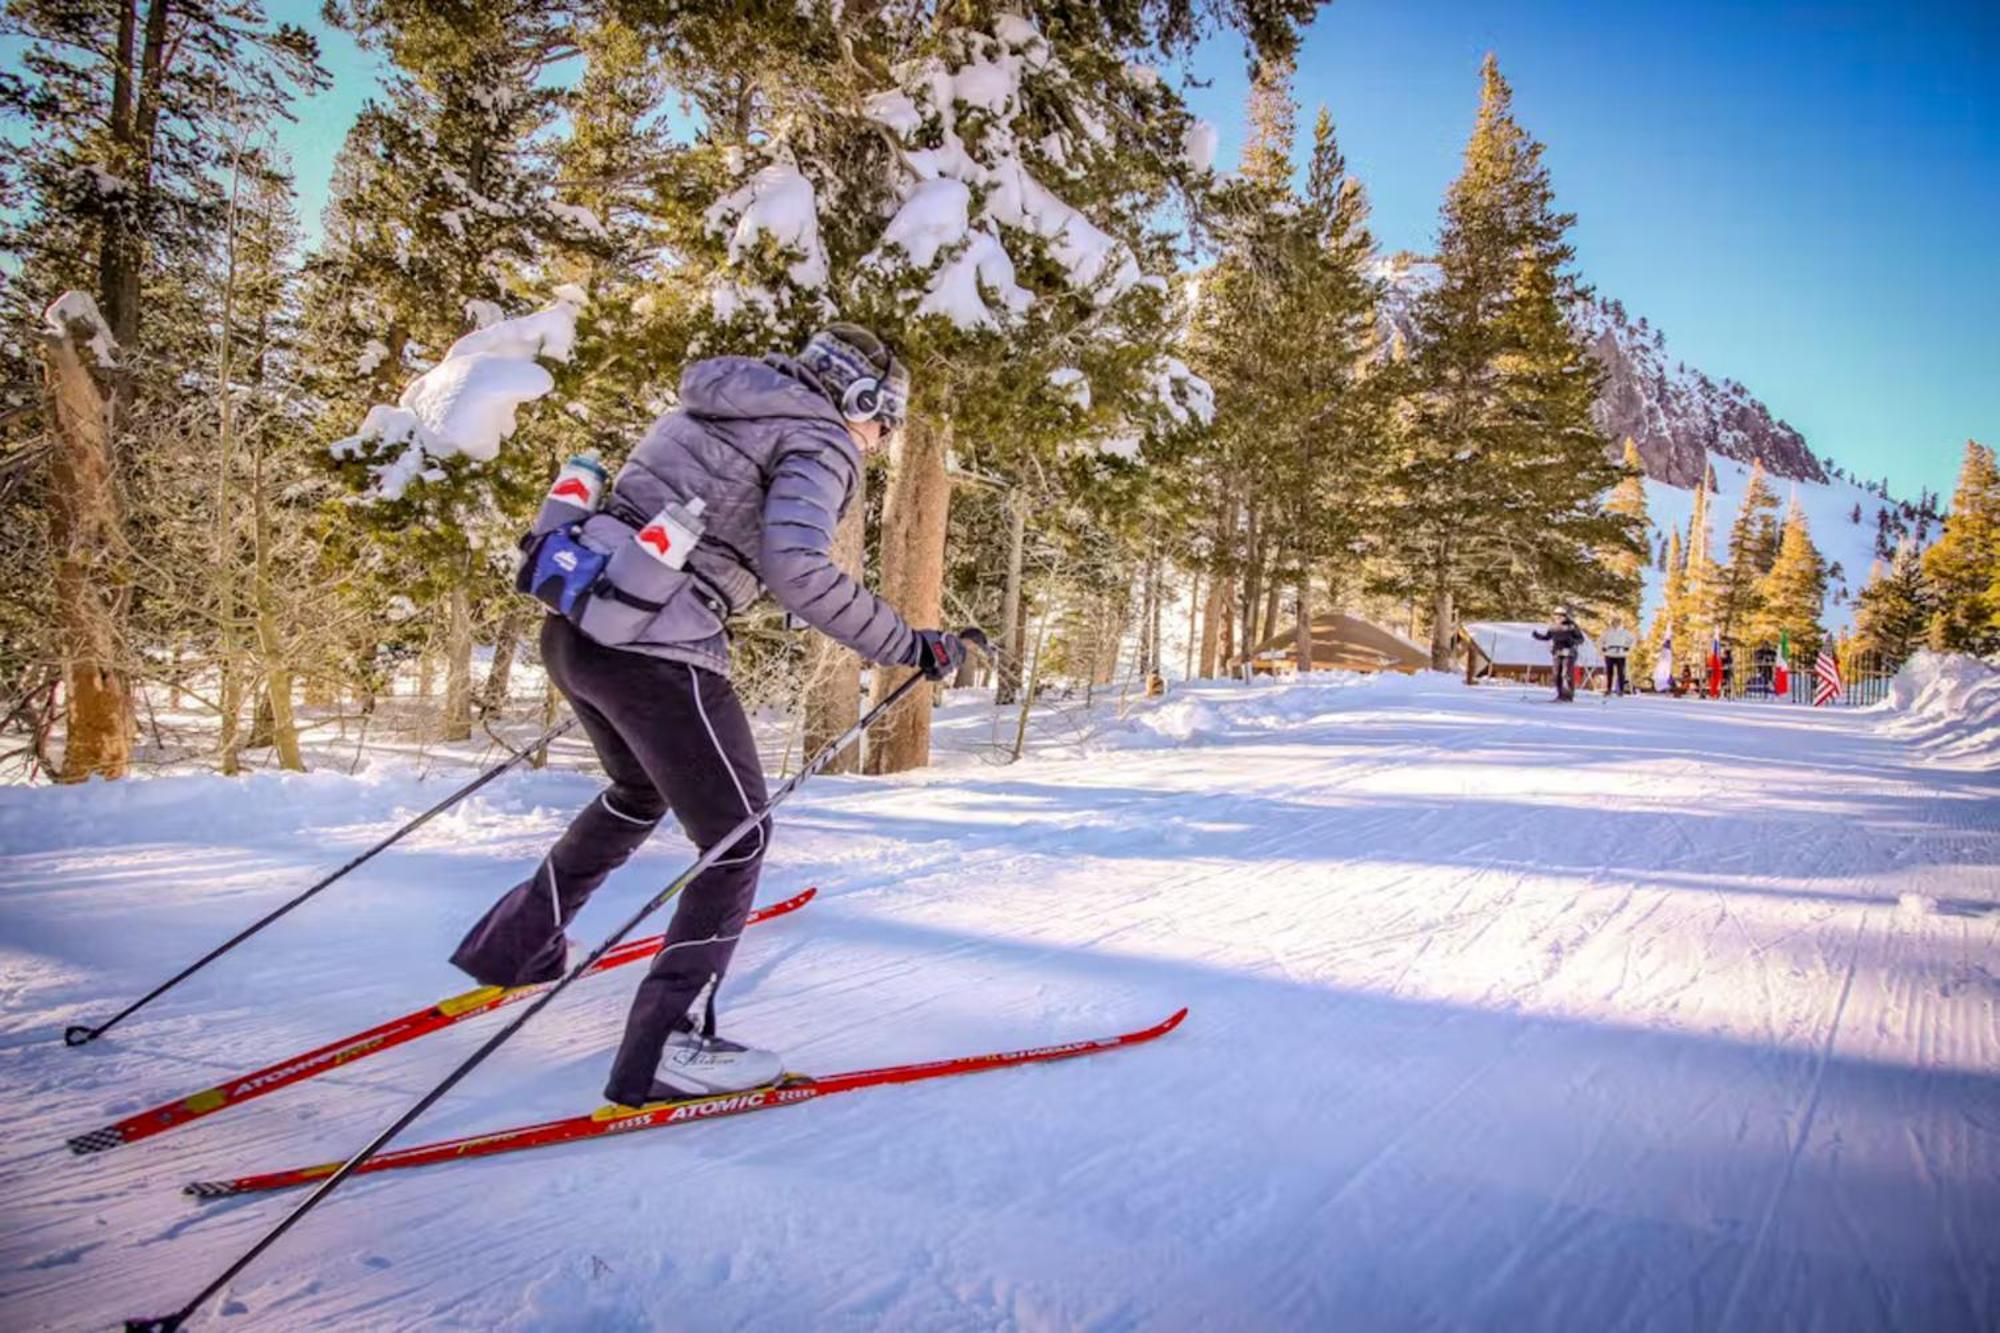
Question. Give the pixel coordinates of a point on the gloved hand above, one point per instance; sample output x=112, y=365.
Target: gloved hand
x=939, y=653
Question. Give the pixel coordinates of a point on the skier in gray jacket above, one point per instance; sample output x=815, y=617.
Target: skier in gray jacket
x=772, y=449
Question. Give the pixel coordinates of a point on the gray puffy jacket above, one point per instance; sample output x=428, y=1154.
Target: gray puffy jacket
x=771, y=459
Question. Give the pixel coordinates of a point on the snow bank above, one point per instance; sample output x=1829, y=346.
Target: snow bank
x=465, y=405
x=1206, y=712
x=1829, y=510
x=270, y=807
x=1947, y=704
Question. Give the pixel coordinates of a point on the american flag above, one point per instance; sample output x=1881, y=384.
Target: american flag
x=1828, y=672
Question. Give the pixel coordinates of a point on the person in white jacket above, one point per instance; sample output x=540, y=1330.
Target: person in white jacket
x=1617, y=646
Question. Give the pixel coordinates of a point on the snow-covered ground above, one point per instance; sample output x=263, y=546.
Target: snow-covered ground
x=1649, y=1015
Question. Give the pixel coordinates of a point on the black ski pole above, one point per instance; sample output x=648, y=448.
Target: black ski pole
x=171, y=1323
x=78, y=1034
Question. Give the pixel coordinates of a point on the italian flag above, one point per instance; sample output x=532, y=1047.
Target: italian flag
x=1781, y=674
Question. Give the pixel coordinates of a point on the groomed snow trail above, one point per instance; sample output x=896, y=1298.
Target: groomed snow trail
x=1652, y=1015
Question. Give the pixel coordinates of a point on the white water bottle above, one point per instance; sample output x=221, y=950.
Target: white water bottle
x=574, y=495
x=672, y=534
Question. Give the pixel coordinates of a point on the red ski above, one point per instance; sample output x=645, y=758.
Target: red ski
x=395, y=1032
x=661, y=1115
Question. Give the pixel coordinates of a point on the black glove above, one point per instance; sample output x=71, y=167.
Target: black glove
x=939, y=653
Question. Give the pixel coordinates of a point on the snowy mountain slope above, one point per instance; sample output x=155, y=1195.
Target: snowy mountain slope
x=1847, y=547
x=1648, y=1016
x=1682, y=419
x=1678, y=416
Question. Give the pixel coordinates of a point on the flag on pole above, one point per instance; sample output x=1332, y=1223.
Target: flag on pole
x=1715, y=664
x=1781, y=674
x=1828, y=672
x=1663, y=670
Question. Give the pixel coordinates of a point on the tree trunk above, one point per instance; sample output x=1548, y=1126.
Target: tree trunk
x=1228, y=645
x=1013, y=610
x=271, y=648
x=1194, y=610
x=551, y=701
x=913, y=536
x=1443, y=623
x=833, y=672
x=1034, y=682
x=85, y=528
x=278, y=692
x=1302, y=642
x=1253, y=586
x=506, y=648
x=1211, y=623
x=229, y=692
x=457, y=665
x=1269, y=624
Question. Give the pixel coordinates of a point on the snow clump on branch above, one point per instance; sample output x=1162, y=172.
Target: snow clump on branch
x=465, y=405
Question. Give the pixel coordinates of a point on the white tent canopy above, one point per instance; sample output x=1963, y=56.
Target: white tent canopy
x=1512, y=643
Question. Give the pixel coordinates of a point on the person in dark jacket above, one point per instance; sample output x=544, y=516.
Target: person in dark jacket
x=1564, y=639
x=768, y=452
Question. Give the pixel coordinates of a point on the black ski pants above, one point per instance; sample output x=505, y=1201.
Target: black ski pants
x=670, y=736
x=1614, y=675
x=1566, y=676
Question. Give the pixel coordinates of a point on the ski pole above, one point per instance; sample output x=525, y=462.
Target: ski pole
x=171, y=1323
x=78, y=1034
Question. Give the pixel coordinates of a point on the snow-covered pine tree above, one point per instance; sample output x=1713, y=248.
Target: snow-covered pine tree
x=1499, y=491
x=445, y=213
x=1963, y=568
x=988, y=192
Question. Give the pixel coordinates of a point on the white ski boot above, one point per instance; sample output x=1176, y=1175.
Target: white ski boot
x=696, y=1064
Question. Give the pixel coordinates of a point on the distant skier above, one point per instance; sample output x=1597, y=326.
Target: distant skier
x=1563, y=638
x=734, y=492
x=1617, y=645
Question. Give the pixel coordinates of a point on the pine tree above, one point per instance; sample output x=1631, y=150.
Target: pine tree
x=1963, y=569
x=1704, y=576
x=119, y=167
x=1628, y=502
x=1790, y=598
x=1893, y=613
x=1751, y=551
x=984, y=189
x=1499, y=491
x=1285, y=331
x=1673, y=614
x=444, y=216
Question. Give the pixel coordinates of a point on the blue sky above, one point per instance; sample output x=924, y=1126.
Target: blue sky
x=1803, y=196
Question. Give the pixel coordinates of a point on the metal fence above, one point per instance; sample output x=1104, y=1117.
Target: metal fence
x=1864, y=679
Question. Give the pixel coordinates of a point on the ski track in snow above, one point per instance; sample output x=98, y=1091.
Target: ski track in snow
x=1504, y=1016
